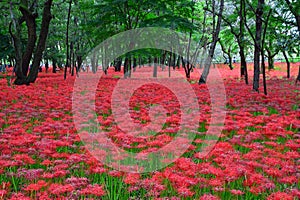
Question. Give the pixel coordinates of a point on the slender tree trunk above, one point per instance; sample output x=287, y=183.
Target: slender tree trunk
x=270, y=62
x=46, y=65
x=129, y=67
x=31, y=32
x=18, y=50
x=270, y=59
x=126, y=63
x=169, y=63
x=178, y=62
x=208, y=60
x=94, y=62
x=288, y=64
x=53, y=66
x=134, y=63
x=228, y=52
x=72, y=58
x=263, y=55
x=67, y=40
x=263, y=66
x=155, y=67
x=257, y=49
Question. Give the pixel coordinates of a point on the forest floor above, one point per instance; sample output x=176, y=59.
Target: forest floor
x=256, y=156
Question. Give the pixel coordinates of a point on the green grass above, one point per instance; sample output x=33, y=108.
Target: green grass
x=295, y=107
x=272, y=111
x=257, y=113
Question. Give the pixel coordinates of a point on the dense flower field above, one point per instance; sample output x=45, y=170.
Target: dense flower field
x=256, y=157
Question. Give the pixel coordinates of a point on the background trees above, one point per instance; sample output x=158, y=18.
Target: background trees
x=28, y=37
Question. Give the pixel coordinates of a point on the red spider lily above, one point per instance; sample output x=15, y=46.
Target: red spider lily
x=36, y=186
x=58, y=189
x=185, y=192
x=236, y=192
x=96, y=190
x=209, y=197
x=289, y=180
x=18, y=196
x=131, y=178
x=280, y=196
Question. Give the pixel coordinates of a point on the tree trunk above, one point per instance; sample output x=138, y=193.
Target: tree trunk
x=263, y=66
x=31, y=32
x=72, y=58
x=244, y=71
x=47, y=66
x=270, y=62
x=178, y=62
x=263, y=55
x=134, y=63
x=287, y=64
x=155, y=67
x=126, y=63
x=209, y=58
x=67, y=41
x=241, y=42
x=149, y=60
x=47, y=16
x=24, y=79
x=169, y=63
x=53, y=66
x=18, y=50
x=257, y=49
x=228, y=52
x=94, y=62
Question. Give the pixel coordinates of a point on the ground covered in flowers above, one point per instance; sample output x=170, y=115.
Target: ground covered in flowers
x=256, y=157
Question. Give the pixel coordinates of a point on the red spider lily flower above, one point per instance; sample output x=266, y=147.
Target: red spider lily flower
x=43, y=196
x=96, y=190
x=216, y=182
x=236, y=192
x=58, y=189
x=168, y=198
x=77, y=182
x=185, y=192
x=289, y=180
x=19, y=196
x=132, y=178
x=3, y=193
x=209, y=197
x=36, y=186
x=26, y=159
x=46, y=162
x=280, y=196
x=115, y=173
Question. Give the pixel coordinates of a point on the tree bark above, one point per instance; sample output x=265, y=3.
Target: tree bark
x=155, y=67
x=47, y=16
x=287, y=64
x=31, y=32
x=54, y=66
x=23, y=63
x=228, y=52
x=209, y=58
x=257, y=49
x=67, y=41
